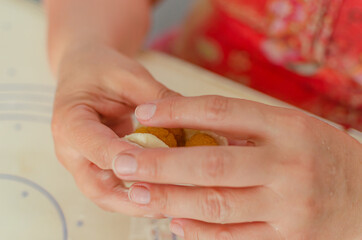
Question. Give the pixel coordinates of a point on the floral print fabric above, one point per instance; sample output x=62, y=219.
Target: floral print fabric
x=305, y=52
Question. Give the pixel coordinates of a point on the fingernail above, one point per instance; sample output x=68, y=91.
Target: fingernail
x=145, y=112
x=140, y=195
x=177, y=229
x=125, y=165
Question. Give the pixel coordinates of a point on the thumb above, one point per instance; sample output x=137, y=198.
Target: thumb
x=147, y=90
x=154, y=90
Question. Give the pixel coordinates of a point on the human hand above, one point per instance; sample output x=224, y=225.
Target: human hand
x=98, y=89
x=287, y=176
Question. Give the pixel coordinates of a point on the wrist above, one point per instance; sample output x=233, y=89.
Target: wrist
x=76, y=55
x=73, y=49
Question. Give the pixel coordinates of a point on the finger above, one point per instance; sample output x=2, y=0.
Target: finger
x=82, y=129
x=202, y=166
x=121, y=126
x=195, y=230
x=215, y=205
x=148, y=91
x=141, y=87
x=231, y=116
x=108, y=192
x=101, y=186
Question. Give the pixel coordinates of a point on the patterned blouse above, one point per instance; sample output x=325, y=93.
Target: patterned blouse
x=305, y=52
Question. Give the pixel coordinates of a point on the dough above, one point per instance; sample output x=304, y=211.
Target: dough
x=146, y=140
x=151, y=137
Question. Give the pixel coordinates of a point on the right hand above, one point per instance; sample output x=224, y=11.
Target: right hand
x=98, y=90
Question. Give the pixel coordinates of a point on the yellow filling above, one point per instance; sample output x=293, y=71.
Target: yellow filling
x=161, y=133
x=201, y=139
x=175, y=137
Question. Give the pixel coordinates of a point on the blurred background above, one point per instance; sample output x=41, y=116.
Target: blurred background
x=167, y=14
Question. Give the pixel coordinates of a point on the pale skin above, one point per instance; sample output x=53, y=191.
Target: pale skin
x=99, y=86
x=297, y=178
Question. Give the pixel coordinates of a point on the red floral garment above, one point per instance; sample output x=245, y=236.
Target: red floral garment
x=305, y=52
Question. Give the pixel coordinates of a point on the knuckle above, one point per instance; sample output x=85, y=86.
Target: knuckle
x=152, y=167
x=216, y=108
x=307, y=166
x=101, y=157
x=89, y=187
x=101, y=198
x=165, y=93
x=68, y=157
x=161, y=200
x=214, y=166
x=223, y=234
x=101, y=154
x=214, y=206
x=172, y=111
x=89, y=191
x=300, y=123
x=311, y=207
x=100, y=189
x=195, y=235
x=303, y=164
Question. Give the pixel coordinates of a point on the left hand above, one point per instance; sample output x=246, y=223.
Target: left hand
x=297, y=178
